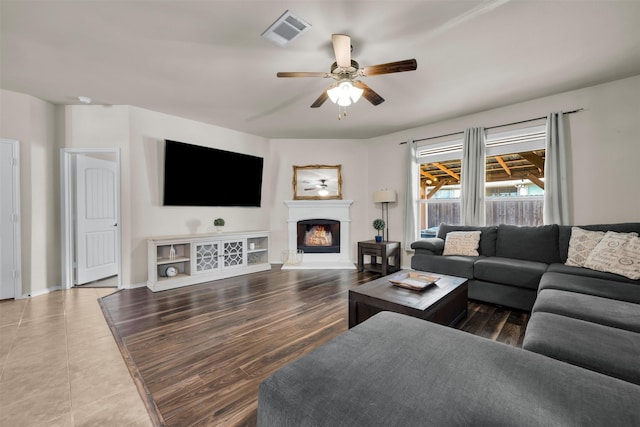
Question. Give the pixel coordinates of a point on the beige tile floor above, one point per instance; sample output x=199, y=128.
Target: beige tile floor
x=60, y=365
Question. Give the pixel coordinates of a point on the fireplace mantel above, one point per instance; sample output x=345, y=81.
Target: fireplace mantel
x=337, y=210
x=323, y=204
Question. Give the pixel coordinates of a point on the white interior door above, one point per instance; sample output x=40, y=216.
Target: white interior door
x=96, y=219
x=10, y=283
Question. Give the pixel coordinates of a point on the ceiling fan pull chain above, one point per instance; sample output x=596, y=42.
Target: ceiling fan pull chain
x=342, y=111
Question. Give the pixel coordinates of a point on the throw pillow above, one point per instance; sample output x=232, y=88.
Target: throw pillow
x=617, y=253
x=462, y=243
x=581, y=245
x=488, y=236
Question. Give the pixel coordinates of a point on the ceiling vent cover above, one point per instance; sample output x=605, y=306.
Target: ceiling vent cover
x=285, y=29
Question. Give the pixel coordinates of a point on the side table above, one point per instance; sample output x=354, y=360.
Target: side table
x=384, y=250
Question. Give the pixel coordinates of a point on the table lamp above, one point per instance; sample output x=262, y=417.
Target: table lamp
x=384, y=197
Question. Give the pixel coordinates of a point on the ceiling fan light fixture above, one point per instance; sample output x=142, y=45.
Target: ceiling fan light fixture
x=323, y=192
x=334, y=94
x=344, y=94
x=356, y=93
x=344, y=101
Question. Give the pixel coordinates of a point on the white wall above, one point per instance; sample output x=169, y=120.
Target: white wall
x=604, y=177
x=140, y=134
x=148, y=217
x=351, y=154
x=32, y=122
x=605, y=148
x=107, y=127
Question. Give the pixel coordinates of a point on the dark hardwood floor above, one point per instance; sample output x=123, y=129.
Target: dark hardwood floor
x=198, y=354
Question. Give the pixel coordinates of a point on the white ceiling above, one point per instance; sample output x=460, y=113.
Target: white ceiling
x=205, y=60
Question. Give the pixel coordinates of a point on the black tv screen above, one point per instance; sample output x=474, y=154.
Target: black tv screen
x=204, y=176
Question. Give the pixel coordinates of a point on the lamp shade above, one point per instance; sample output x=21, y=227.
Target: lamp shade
x=384, y=196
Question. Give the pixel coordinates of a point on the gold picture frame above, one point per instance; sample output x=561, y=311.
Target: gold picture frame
x=317, y=182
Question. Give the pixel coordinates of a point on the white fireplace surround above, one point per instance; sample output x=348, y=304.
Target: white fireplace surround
x=337, y=210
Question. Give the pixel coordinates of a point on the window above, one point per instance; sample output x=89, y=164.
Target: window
x=514, y=179
x=440, y=166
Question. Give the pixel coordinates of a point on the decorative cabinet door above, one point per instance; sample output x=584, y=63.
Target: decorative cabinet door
x=207, y=257
x=233, y=251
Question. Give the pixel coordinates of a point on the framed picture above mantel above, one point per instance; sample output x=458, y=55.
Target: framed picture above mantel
x=317, y=182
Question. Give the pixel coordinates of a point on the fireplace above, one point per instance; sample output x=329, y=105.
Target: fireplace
x=319, y=236
x=320, y=229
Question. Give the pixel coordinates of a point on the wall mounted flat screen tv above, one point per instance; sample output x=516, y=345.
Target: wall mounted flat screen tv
x=204, y=176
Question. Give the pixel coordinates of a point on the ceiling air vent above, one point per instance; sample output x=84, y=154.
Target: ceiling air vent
x=285, y=29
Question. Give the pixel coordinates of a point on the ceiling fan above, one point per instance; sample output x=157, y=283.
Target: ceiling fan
x=321, y=186
x=347, y=88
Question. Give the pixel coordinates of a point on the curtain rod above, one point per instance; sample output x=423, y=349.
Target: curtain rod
x=492, y=127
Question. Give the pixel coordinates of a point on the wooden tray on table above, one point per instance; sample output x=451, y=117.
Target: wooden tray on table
x=414, y=281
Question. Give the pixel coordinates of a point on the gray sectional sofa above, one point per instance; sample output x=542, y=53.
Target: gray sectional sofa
x=511, y=260
x=579, y=365
x=588, y=322
x=394, y=370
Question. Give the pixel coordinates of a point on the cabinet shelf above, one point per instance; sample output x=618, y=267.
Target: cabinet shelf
x=162, y=261
x=205, y=257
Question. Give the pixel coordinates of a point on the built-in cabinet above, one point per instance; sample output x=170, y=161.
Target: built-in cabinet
x=176, y=261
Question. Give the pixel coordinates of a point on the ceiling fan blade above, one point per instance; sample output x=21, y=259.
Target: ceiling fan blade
x=342, y=49
x=302, y=74
x=323, y=97
x=369, y=94
x=391, y=67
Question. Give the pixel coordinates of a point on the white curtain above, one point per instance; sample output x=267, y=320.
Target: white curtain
x=411, y=199
x=472, y=209
x=556, y=197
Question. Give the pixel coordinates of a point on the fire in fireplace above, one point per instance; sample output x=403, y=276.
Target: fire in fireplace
x=319, y=236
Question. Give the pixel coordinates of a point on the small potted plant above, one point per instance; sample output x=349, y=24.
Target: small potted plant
x=379, y=225
x=218, y=223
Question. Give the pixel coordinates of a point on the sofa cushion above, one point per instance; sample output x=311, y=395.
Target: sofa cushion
x=462, y=243
x=507, y=295
x=461, y=266
x=581, y=271
x=525, y=274
x=538, y=244
x=617, y=253
x=591, y=286
x=394, y=370
x=487, y=246
x=564, y=233
x=430, y=246
x=581, y=245
x=610, y=351
x=605, y=311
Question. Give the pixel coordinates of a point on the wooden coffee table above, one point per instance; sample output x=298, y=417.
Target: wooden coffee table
x=445, y=302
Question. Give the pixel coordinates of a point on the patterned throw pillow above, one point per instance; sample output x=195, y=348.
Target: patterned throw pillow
x=462, y=243
x=617, y=253
x=581, y=244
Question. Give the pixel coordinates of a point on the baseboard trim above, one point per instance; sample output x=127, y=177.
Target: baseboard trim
x=41, y=292
x=135, y=285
